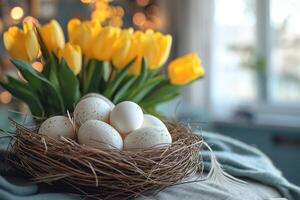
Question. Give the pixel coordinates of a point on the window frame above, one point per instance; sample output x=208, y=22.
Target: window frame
x=264, y=107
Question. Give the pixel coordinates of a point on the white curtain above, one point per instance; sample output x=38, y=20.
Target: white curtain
x=191, y=24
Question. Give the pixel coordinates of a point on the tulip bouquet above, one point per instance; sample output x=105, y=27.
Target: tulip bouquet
x=121, y=64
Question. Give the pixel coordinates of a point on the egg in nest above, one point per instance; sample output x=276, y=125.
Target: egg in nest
x=91, y=108
x=98, y=134
x=57, y=126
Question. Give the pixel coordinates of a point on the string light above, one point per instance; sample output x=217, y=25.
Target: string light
x=5, y=97
x=139, y=18
x=16, y=13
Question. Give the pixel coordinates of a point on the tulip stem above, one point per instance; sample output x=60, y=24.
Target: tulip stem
x=112, y=72
x=83, y=74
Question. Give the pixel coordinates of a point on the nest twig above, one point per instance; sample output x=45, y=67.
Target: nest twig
x=104, y=174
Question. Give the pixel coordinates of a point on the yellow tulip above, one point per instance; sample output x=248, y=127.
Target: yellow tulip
x=83, y=33
x=138, y=43
x=73, y=56
x=22, y=44
x=53, y=36
x=185, y=69
x=105, y=43
x=156, y=48
x=124, y=49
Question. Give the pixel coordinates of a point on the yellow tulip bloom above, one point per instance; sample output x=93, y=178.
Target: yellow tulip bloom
x=124, y=49
x=185, y=69
x=156, y=48
x=53, y=36
x=83, y=33
x=22, y=44
x=105, y=43
x=138, y=43
x=73, y=56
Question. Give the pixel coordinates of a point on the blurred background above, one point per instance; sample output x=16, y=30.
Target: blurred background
x=250, y=50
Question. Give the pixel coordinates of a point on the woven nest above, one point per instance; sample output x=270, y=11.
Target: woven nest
x=105, y=174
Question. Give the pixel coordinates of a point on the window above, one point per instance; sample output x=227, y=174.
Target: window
x=234, y=41
x=285, y=57
x=256, y=55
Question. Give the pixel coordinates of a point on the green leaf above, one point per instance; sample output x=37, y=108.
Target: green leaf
x=53, y=73
x=46, y=91
x=23, y=92
x=117, y=79
x=46, y=69
x=141, y=78
x=144, y=72
x=69, y=85
x=123, y=89
x=160, y=98
x=144, y=89
x=97, y=74
x=154, y=72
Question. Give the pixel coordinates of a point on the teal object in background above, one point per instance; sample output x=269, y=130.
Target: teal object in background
x=282, y=145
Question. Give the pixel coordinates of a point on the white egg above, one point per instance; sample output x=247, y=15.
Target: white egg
x=57, y=126
x=98, y=134
x=147, y=137
x=127, y=116
x=112, y=105
x=91, y=108
x=150, y=121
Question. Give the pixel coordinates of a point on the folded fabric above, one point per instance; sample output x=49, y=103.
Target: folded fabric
x=244, y=161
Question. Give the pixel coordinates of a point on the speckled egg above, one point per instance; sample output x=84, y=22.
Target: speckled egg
x=91, y=108
x=98, y=134
x=147, y=137
x=57, y=126
x=152, y=121
x=126, y=117
x=112, y=105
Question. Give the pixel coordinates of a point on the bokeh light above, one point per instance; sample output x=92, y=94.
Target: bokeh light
x=5, y=97
x=38, y=66
x=16, y=13
x=142, y=2
x=139, y=18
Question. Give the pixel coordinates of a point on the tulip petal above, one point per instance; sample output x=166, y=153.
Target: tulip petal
x=13, y=41
x=31, y=45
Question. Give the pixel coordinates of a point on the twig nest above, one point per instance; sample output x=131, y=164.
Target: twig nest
x=91, y=108
x=111, y=104
x=126, y=117
x=147, y=137
x=98, y=134
x=107, y=173
x=57, y=126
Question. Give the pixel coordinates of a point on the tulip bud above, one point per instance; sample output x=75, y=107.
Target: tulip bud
x=124, y=49
x=157, y=48
x=185, y=69
x=105, y=43
x=138, y=43
x=73, y=56
x=53, y=36
x=22, y=44
x=82, y=34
